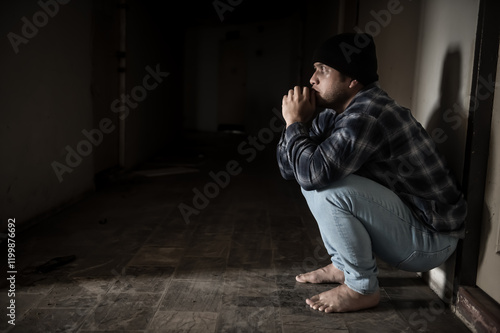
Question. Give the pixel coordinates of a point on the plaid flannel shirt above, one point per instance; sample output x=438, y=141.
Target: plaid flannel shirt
x=378, y=139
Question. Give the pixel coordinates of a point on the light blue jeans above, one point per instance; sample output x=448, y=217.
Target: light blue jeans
x=359, y=218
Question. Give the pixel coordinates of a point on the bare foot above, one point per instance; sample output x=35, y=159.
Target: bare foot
x=343, y=299
x=327, y=274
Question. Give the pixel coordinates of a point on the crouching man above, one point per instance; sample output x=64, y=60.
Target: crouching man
x=351, y=160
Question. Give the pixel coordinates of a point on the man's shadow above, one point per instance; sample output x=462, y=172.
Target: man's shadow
x=447, y=126
x=448, y=121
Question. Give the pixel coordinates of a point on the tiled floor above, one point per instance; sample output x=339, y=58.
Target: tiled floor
x=141, y=267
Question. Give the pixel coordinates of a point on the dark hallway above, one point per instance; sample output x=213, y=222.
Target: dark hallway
x=139, y=187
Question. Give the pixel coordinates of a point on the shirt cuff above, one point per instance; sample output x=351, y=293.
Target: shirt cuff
x=295, y=129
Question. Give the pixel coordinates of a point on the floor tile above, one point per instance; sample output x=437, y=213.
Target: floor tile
x=157, y=256
x=142, y=279
x=76, y=293
x=263, y=319
x=122, y=311
x=183, y=322
x=49, y=320
x=201, y=269
x=192, y=295
x=318, y=323
x=209, y=245
x=241, y=257
x=254, y=240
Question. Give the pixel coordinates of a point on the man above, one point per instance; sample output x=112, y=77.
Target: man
x=370, y=174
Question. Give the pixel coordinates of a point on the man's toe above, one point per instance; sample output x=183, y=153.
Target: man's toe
x=323, y=307
x=329, y=309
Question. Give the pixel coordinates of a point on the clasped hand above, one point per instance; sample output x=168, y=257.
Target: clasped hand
x=299, y=105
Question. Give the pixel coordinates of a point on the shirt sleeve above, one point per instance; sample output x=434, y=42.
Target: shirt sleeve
x=286, y=168
x=282, y=156
x=340, y=149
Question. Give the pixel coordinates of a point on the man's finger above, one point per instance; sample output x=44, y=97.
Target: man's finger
x=305, y=92
x=296, y=91
x=312, y=98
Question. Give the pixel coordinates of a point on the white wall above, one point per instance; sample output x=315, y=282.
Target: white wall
x=444, y=72
x=45, y=104
x=442, y=89
x=425, y=54
x=394, y=26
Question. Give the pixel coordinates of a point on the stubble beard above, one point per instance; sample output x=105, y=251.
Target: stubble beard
x=333, y=100
x=321, y=102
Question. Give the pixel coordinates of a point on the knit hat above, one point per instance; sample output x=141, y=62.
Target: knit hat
x=351, y=54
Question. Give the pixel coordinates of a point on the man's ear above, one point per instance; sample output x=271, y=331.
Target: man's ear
x=355, y=84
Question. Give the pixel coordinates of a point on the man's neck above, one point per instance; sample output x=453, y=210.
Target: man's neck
x=348, y=101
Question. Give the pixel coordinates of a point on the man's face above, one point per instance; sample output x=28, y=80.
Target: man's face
x=332, y=87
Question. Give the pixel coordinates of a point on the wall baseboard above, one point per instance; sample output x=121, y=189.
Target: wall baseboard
x=477, y=310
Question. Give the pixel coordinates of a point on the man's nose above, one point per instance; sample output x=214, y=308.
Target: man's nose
x=313, y=80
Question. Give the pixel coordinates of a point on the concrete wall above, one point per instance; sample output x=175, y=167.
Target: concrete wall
x=46, y=103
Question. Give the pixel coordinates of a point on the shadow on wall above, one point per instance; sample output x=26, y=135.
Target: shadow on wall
x=447, y=126
x=449, y=120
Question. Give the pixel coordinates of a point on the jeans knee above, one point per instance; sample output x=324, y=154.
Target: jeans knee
x=337, y=198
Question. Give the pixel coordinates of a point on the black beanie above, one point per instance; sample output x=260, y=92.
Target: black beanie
x=351, y=54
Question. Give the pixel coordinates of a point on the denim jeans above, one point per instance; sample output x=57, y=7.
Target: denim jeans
x=359, y=218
